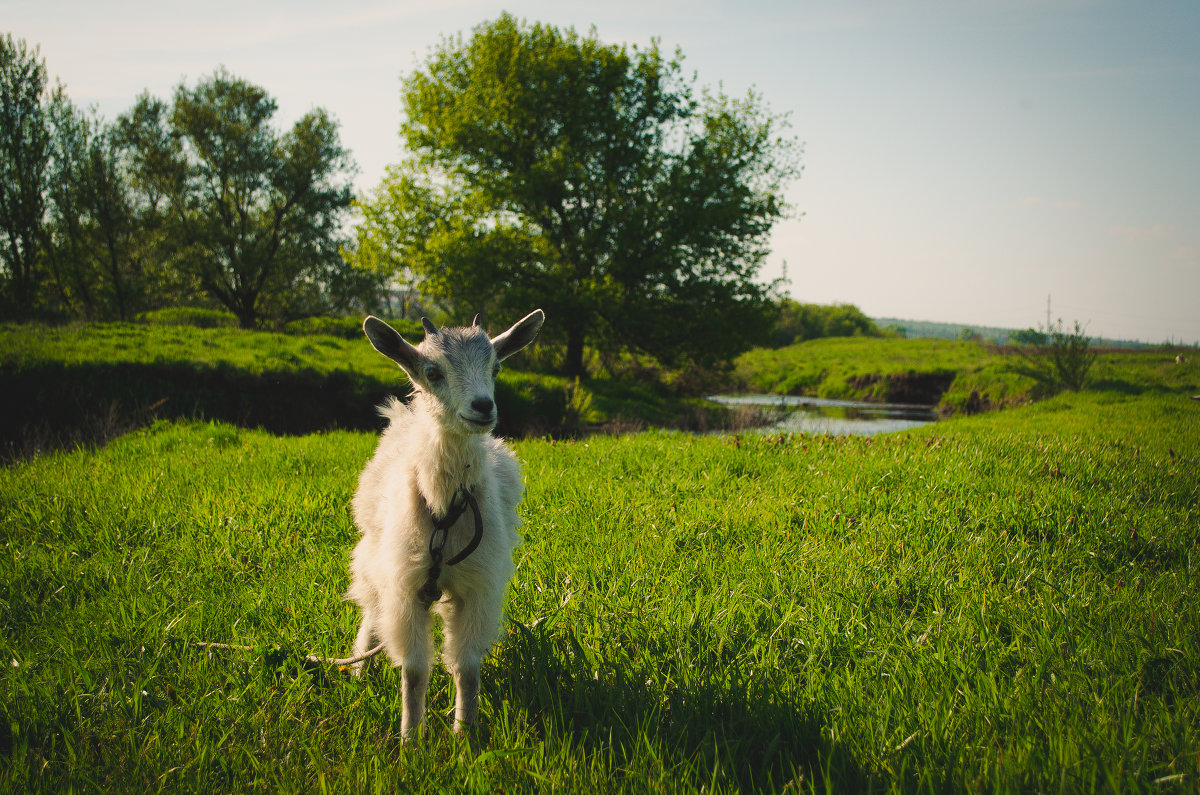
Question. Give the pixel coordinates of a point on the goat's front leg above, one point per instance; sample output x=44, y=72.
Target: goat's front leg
x=471, y=626
x=409, y=644
x=466, y=695
x=416, y=682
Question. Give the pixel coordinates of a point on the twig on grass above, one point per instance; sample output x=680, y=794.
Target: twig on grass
x=334, y=661
x=904, y=744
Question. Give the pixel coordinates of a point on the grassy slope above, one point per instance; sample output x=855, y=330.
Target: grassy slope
x=843, y=368
x=254, y=351
x=1002, y=602
x=89, y=382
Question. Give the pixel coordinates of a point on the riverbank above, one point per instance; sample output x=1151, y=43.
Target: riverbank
x=87, y=384
x=954, y=377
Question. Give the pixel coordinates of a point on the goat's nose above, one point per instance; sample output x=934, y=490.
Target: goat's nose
x=482, y=405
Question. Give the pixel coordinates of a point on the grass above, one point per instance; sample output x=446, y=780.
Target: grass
x=254, y=352
x=959, y=377
x=857, y=367
x=1006, y=602
x=99, y=380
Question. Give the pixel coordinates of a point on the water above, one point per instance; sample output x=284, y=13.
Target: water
x=838, y=417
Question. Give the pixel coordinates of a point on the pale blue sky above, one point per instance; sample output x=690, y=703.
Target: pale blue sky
x=963, y=160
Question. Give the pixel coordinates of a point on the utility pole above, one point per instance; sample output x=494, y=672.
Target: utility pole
x=1047, y=314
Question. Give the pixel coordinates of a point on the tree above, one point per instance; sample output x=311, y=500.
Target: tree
x=551, y=170
x=256, y=215
x=799, y=322
x=1028, y=336
x=24, y=153
x=99, y=245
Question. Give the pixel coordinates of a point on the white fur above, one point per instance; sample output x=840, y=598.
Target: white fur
x=438, y=443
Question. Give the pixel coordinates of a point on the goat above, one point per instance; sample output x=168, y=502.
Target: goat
x=437, y=457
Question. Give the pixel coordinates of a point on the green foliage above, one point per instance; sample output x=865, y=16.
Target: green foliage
x=890, y=370
x=801, y=322
x=552, y=170
x=257, y=213
x=85, y=384
x=1003, y=603
x=105, y=237
x=1029, y=336
x=24, y=160
x=195, y=317
x=168, y=204
x=350, y=328
x=1064, y=363
x=959, y=377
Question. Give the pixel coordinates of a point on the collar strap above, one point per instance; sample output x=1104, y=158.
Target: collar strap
x=442, y=525
x=430, y=592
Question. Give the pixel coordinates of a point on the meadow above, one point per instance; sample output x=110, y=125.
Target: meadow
x=1005, y=602
x=956, y=376
x=88, y=383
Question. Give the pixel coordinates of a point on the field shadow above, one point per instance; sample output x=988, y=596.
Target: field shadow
x=53, y=405
x=737, y=722
x=1119, y=386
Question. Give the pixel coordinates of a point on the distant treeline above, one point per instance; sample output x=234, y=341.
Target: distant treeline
x=927, y=329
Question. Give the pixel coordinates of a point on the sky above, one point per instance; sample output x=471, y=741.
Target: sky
x=965, y=161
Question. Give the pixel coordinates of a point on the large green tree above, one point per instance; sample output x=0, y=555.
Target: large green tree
x=593, y=180
x=255, y=216
x=103, y=243
x=24, y=158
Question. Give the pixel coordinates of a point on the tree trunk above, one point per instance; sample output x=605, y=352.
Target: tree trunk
x=575, y=335
x=247, y=317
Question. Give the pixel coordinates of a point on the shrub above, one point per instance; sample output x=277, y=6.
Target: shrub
x=1063, y=362
x=349, y=328
x=194, y=316
x=800, y=322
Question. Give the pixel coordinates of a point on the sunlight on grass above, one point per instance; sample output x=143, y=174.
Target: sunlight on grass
x=1006, y=602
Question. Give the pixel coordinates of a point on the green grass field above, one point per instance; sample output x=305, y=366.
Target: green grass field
x=960, y=377
x=1007, y=602
x=88, y=383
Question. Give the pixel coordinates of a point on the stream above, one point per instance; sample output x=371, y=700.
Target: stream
x=837, y=417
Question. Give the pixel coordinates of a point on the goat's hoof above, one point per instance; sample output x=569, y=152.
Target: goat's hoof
x=469, y=732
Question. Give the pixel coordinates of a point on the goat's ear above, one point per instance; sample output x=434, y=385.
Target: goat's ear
x=388, y=341
x=520, y=335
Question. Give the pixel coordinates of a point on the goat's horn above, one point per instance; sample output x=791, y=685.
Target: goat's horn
x=476, y=322
x=429, y=327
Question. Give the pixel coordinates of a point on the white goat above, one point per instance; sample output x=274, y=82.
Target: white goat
x=438, y=480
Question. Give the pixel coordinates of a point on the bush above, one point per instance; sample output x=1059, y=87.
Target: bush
x=194, y=316
x=349, y=328
x=1063, y=362
x=801, y=322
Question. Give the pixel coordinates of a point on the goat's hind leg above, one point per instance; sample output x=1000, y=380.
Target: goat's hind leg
x=362, y=643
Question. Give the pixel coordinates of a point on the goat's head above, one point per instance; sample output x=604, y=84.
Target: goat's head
x=457, y=367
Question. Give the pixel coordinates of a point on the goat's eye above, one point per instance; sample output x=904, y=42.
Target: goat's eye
x=496, y=370
x=433, y=374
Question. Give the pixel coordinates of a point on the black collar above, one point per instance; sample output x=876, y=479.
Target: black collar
x=430, y=592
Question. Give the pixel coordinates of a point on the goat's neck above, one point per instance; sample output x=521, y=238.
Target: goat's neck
x=445, y=460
